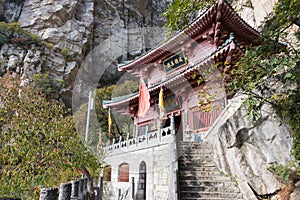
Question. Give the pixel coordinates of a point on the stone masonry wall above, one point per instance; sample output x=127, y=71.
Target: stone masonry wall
x=159, y=161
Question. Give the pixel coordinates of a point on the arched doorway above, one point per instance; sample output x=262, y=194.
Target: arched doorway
x=124, y=172
x=141, y=193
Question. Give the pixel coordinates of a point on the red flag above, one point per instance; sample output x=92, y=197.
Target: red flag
x=144, y=99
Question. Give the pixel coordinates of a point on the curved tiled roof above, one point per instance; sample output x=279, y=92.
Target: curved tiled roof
x=229, y=18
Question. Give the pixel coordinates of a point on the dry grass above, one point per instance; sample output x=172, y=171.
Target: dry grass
x=286, y=191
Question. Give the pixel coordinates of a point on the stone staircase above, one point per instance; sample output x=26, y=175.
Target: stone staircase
x=199, y=177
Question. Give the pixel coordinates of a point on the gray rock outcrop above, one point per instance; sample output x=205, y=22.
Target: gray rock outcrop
x=70, y=29
x=246, y=149
x=254, y=11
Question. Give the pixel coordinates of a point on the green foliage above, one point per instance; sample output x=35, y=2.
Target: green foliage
x=102, y=114
x=181, y=12
x=18, y=2
x=287, y=12
x=269, y=73
x=290, y=109
x=284, y=171
x=13, y=33
x=46, y=85
x=48, y=45
x=80, y=117
x=39, y=144
x=66, y=53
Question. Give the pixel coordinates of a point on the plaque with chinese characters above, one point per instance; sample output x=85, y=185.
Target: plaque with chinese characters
x=175, y=61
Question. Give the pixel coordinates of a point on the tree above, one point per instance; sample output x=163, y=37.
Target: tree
x=121, y=124
x=181, y=12
x=44, y=84
x=13, y=33
x=39, y=144
x=274, y=62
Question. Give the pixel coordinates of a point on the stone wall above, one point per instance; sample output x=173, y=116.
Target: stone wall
x=160, y=166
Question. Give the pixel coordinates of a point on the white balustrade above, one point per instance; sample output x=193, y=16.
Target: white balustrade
x=150, y=138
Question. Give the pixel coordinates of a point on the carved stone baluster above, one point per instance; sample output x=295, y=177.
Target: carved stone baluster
x=172, y=124
x=65, y=191
x=49, y=194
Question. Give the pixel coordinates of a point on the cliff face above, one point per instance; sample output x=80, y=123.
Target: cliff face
x=71, y=29
x=254, y=11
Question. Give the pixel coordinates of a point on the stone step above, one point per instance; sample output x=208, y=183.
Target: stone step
x=210, y=194
x=204, y=159
x=210, y=189
x=200, y=163
x=195, y=156
x=195, y=149
x=197, y=168
x=186, y=143
x=207, y=183
x=200, y=173
x=195, y=146
x=201, y=178
x=194, y=152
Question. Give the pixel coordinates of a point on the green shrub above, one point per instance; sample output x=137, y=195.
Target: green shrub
x=13, y=33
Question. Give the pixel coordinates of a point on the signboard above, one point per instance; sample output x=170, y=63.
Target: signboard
x=177, y=60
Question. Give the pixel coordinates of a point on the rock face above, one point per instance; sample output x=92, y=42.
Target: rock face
x=254, y=11
x=70, y=30
x=246, y=149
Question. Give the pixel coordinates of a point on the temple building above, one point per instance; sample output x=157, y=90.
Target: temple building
x=186, y=80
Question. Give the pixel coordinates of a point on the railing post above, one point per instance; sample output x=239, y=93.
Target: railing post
x=80, y=191
x=100, y=188
x=127, y=140
x=172, y=124
x=147, y=139
x=48, y=194
x=75, y=190
x=64, y=191
x=119, y=194
x=85, y=188
x=132, y=187
x=136, y=141
x=159, y=132
x=120, y=142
